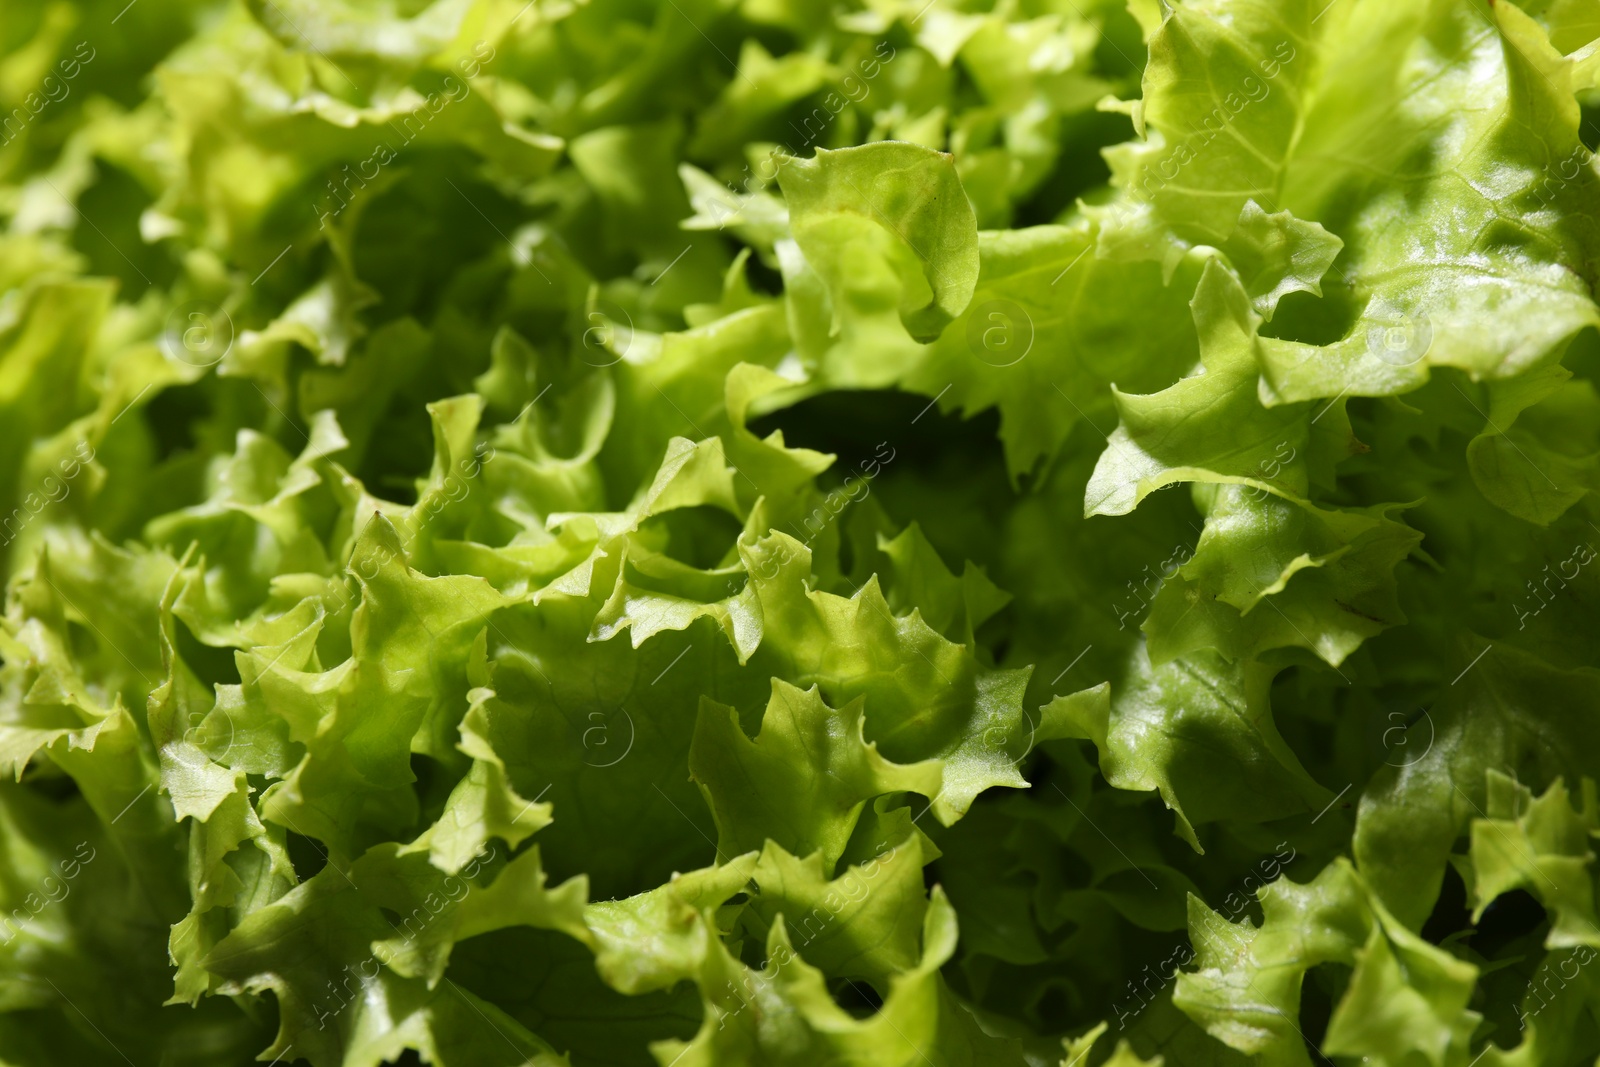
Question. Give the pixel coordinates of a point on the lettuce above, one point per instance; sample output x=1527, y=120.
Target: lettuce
x=784, y=532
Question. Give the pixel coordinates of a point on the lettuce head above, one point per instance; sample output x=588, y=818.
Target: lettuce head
x=729, y=533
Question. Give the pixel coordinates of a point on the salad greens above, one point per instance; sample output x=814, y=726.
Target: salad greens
x=792, y=532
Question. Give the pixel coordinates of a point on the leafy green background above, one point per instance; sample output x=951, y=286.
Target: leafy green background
x=791, y=532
